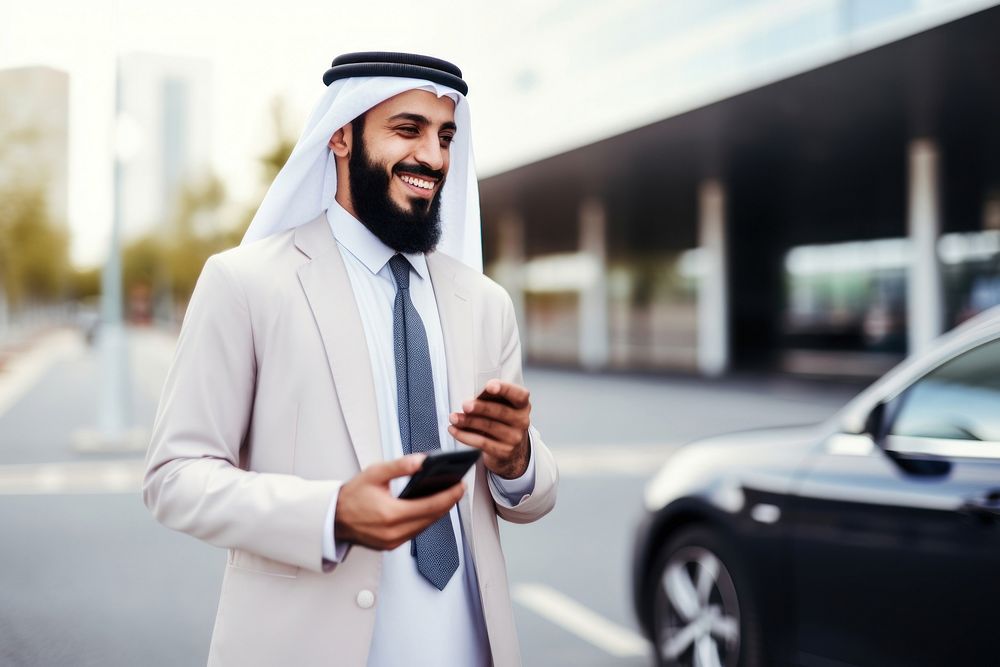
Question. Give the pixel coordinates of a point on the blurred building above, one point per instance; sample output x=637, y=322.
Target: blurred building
x=164, y=135
x=806, y=186
x=34, y=133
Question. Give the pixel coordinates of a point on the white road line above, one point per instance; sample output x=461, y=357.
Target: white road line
x=123, y=476
x=611, y=459
x=27, y=369
x=581, y=621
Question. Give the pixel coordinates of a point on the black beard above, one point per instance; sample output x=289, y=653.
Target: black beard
x=415, y=231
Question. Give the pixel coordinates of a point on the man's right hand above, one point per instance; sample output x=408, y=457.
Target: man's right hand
x=368, y=514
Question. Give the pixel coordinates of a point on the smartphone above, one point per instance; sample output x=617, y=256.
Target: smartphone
x=439, y=471
x=495, y=398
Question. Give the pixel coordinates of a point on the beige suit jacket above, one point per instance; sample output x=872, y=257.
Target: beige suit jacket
x=270, y=405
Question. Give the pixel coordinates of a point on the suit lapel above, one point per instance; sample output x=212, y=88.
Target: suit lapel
x=328, y=290
x=455, y=312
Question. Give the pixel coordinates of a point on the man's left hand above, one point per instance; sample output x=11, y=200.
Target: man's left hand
x=498, y=429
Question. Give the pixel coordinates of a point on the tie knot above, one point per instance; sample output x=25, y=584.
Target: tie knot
x=400, y=268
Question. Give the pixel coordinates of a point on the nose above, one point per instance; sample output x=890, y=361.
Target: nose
x=430, y=153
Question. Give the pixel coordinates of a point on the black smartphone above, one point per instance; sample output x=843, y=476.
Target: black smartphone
x=495, y=398
x=439, y=471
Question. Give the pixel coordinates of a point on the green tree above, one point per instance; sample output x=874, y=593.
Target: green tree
x=33, y=249
x=202, y=224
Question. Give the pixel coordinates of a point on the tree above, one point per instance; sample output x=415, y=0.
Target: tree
x=33, y=250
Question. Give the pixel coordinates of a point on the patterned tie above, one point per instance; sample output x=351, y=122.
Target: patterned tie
x=434, y=548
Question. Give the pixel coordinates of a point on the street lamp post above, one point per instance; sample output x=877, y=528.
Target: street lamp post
x=114, y=430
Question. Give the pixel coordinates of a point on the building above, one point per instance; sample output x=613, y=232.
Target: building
x=34, y=133
x=164, y=135
x=819, y=194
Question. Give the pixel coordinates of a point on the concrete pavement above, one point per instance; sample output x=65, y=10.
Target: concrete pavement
x=90, y=578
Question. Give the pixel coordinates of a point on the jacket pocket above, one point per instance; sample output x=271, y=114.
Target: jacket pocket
x=245, y=560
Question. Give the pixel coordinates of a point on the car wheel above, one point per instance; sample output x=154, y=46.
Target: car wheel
x=702, y=614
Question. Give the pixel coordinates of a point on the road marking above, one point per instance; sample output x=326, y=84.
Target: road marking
x=125, y=475
x=122, y=476
x=581, y=621
x=611, y=459
x=27, y=369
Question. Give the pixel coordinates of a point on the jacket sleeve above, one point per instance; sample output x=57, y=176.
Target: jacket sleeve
x=542, y=498
x=193, y=481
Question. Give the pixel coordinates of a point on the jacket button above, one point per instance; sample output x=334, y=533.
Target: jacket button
x=366, y=599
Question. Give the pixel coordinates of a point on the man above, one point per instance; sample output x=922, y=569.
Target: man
x=313, y=358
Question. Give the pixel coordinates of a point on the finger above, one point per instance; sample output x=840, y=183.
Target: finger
x=428, y=507
x=488, y=408
x=489, y=446
x=382, y=472
x=514, y=393
x=489, y=427
x=513, y=417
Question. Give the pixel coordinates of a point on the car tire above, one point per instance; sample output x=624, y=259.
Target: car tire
x=702, y=602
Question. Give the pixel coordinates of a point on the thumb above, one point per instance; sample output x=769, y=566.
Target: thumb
x=383, y=472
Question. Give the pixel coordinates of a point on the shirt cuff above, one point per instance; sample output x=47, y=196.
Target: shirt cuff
x=332, y=552
x=515, y=491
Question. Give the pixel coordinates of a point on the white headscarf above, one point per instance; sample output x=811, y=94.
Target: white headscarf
x=307, y=184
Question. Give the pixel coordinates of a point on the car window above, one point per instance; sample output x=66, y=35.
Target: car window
x=959, y=400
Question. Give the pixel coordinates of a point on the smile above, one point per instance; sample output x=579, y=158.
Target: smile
x=417, y=182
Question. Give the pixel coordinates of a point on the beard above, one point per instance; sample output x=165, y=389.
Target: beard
x=417, y=230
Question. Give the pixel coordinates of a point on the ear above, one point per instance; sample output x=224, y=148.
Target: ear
x=340, y=142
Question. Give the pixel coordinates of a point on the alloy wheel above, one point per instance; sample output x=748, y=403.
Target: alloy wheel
x=697, y=613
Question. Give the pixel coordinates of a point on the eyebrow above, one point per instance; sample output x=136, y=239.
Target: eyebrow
x=422, y=120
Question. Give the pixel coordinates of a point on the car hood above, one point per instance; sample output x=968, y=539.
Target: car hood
x=722, y=466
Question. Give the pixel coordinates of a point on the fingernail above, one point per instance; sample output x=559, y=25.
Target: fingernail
x=453, y=417
x=467, y=406
x=493, y=386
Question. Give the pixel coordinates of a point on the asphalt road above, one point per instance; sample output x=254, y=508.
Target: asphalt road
x=89, y=578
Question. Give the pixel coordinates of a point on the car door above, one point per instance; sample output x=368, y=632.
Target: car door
x=896, y=538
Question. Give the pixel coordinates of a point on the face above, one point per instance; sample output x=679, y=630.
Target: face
x=398, y=161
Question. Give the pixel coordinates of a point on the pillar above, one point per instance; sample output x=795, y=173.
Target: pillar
x=713, y=307
x=593, y=310
x=924, y=293
x=509, y=268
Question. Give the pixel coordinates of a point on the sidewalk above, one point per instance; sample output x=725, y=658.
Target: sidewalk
x=50, y=390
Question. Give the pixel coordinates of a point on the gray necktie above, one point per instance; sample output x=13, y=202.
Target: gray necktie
x=434, y=548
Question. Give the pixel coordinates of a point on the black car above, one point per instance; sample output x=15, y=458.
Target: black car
x=871, y=539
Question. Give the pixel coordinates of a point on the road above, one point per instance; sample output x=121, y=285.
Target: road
x=89, y=578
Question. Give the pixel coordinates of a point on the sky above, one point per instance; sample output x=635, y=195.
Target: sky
x=544, y=75
x=257, y=50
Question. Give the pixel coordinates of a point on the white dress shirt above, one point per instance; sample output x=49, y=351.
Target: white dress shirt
x=415, y=623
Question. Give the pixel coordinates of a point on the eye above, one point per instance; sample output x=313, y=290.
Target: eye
x=446, y=139
x=410, y=130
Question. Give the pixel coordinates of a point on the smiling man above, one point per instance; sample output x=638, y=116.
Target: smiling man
x=350, y=334
x=396, y=195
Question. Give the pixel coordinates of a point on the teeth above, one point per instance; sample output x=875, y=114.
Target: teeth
x=419, y=182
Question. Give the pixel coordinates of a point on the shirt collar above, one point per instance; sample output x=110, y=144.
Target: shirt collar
x=365, y=246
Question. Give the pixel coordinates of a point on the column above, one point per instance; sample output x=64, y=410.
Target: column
x=713, y=306
x=924, y=294
x=593, y=310
x=509, y=267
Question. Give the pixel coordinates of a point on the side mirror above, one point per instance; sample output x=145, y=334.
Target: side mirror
x=876, y=424
x=877, y=427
